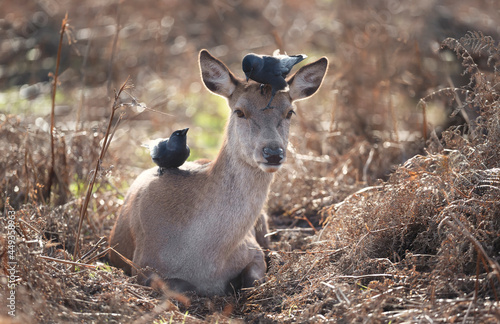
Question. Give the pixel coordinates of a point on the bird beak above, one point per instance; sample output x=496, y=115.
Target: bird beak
x=184, y=131
x=247, y=74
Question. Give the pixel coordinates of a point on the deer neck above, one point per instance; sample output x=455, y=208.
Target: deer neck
x=235, y=174
x=242, y=190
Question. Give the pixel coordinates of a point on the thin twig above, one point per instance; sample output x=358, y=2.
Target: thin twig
x=120, y=117
x=93, y=314
x=126, y=260
x=308, y=222
x=95, y=247
x=29, y=225
x=315, y=262
x=300, y=252
x=338, y=292
x=423, y=105
x=367, y=165
x=472, y=302
x=83, y=210
x=297, y=229
x=373, y=275
x=75, y=264
x=64, y=24
x=101, y=254
x=113, y=49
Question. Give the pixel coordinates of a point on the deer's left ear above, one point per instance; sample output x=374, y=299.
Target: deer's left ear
x=215, y=75
x=308, y=79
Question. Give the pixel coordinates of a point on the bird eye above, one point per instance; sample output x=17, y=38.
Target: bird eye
x=289, y=114
x=239, y=113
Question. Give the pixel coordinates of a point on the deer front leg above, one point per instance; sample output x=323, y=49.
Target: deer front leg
x=261, y=229
x=251, y=260
x=254, y=272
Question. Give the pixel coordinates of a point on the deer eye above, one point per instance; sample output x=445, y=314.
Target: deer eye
x=239, y=113
x=289, y=114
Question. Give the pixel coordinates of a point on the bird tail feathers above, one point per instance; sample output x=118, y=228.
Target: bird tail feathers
x=300, y=57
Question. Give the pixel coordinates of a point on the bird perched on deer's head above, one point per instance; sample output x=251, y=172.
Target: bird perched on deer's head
x=171, y=152
x=270, y=70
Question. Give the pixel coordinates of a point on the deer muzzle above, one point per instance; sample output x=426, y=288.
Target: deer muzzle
x=273, y=156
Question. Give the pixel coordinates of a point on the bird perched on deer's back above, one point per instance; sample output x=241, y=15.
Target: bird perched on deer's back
x=270, y=70
x=171, y=152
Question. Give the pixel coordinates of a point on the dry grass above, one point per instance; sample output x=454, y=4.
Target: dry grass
x=383, y=213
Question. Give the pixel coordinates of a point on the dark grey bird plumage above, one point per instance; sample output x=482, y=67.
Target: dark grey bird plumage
x=171, y=152
x=270, y=70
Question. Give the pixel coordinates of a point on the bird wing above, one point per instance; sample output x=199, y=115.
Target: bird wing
x=287, y=61
x=287, y=64
x=270, y=69
x=152, y=145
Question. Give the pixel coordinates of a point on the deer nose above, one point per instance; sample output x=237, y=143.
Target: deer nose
x=273, y=155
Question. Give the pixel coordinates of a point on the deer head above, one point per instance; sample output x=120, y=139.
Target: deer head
x=255, y=137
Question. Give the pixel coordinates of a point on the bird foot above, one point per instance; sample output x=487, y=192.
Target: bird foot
x=160, y=171
x=269, y=103
x=262, y=89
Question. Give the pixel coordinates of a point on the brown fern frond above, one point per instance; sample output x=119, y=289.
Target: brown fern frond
x=479, y=43
x=470, y=66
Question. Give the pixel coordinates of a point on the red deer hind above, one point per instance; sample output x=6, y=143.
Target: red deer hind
x=200, y=227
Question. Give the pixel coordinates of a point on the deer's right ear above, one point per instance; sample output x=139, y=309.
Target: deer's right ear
x=308, y=79
x=216, y=76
